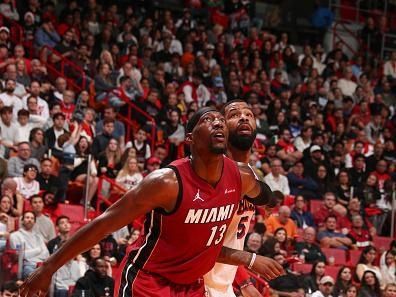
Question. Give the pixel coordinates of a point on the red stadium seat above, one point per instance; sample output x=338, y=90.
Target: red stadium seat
x=354, y=257
x=315, y=205
x=332, y=271
x=382, y=243
x=338, y=255
x=302, y=268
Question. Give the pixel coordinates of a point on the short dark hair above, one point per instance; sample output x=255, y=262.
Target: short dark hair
x=58, y=114
x=10, y=286
x=107, y=121
x=330, y=216
x=45, y=159
x=23, y=112
x=57, y=222
x=6, y=109
x=36, y=196
x=29, y=211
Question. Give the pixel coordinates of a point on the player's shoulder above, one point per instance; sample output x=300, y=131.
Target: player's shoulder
x=164, y=177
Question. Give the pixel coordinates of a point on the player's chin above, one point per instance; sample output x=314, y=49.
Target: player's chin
x=218, y=149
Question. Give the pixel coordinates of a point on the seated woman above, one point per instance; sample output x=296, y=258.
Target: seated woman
x=366, y=263
x=109, y=162
x=27, y=185
x=312, y=280
x=129, y=176
x=80, y=167
x=7, y=222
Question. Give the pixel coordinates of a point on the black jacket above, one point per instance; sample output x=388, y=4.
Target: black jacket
x=94, y=286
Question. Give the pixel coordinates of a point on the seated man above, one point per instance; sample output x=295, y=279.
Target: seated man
x=282, y=220
x=328, y=208
x=360, y=237
x=308, y=248
x=300, y=215
x=326, y=286
x=330, y=238
x=35, y=250
x=95, y=282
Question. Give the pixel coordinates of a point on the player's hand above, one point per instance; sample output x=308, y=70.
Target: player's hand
x=267, y=267
x=37, y=283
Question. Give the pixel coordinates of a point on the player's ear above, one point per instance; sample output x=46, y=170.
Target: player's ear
x=188, y=138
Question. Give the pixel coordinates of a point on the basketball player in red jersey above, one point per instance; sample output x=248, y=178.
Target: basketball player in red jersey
x=189, y=206
x=241, y=124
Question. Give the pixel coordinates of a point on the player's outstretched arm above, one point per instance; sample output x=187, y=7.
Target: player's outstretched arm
x=264, y=266
x=254, y=190
x=157, y=190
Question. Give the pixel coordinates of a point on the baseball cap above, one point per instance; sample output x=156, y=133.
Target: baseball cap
x=315, y=148
x=153, y=160
x=326, y=279
x=3, y=28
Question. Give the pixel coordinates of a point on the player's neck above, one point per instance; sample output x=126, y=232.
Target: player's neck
x=238, y=155
x=209, y=169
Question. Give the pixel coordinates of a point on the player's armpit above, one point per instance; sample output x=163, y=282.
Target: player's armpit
x=265, y=197
x=267, y=267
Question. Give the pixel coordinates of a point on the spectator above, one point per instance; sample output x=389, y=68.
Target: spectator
x=308, y=248
x=378, y=154
x=389, y=66
x=326, y=286
x=301, y=185
x=31, y=242
x=60, y=88
x=44, y=225
x=63, y=227
x=17, y=163
x=289, y=284
x=312, y=282
x=9, y=188
x=275, y=180
x=366, y=263
x=254, y=242
x=390, y=290
x=7, y=222
x=357, y=173
x=27, y=186
x=285, y=244
x=140, y=145
x=102, y=139
x=330, y=238
x=346, y=84
x=343, y=281
x=388, y=269
x=95, y=282
x=300, y=215
x=109, y=161
x=23, y=126
x=129, y=176
x=328, y=208
x=9, y=289
x=9, y=130
x=343, y=188
x=37, y=145
x=282, y=220
x=65, y=278
x=370, y=286
x=67, y=104
x=360, y=237
x=53, y=133
x=119, y=128
x=42, y=105
x=287, y=152
x=47, y=181
x=46, y=35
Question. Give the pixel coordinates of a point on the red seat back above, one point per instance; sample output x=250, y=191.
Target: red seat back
x=338, y=255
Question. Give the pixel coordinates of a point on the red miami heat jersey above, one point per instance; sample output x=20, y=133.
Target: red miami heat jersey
x=183, y=245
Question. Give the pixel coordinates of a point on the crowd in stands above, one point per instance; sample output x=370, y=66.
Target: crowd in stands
x=326, y=127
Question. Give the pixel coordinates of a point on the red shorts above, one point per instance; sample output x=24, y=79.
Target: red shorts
x=145, y=284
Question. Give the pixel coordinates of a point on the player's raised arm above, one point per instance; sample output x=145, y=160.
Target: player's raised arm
x=157, y=190
x=255, y=190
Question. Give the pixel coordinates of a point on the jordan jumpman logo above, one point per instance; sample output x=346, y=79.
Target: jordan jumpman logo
x=197, y=197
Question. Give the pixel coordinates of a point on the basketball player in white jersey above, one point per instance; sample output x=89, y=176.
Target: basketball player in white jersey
x=242, y=133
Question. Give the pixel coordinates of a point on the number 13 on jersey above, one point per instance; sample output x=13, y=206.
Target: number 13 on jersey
x=216, y=235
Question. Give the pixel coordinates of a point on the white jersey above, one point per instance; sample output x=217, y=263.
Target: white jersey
x=218, y=281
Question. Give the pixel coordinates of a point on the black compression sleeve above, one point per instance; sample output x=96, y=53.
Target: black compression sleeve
x=266, y=196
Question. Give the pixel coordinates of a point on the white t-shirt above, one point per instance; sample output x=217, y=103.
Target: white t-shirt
x=129, y=181
x=27, y=189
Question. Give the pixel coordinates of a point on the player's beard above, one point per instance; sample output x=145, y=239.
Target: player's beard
x=242, y=142
x=218, y=150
